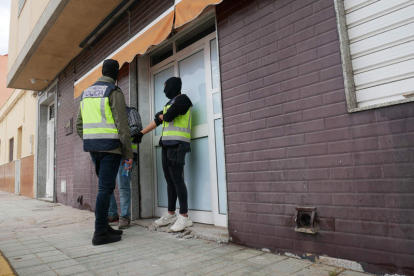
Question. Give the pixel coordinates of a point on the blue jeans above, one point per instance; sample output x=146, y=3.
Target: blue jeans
x=106, y=168
x=124, y=194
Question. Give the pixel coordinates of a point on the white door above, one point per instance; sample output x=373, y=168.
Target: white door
x=204, y=172
x=50, y=153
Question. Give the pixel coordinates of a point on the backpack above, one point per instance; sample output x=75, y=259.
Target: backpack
x=134, y=121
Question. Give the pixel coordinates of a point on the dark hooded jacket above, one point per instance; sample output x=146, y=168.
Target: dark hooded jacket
x=180, y=103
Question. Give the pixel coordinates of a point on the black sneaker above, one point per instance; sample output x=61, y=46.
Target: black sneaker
x=112, y=231
x=113, y=219
x=105, y=238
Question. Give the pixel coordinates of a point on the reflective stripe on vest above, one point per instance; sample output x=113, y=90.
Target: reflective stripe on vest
x=99, y=129
x=179, y=129
x=134, y=146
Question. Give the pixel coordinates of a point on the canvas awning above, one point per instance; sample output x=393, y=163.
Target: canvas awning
x=184, y=12
x=188, y=10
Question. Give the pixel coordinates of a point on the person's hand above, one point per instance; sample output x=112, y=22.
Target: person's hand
x=137, y=139
x=161, y=117
x=129, y=162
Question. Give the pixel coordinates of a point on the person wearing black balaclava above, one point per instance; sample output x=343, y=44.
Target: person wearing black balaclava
x=178, y=105
x=109, y=144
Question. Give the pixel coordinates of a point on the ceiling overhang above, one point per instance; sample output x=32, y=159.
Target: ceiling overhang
x=55, y=40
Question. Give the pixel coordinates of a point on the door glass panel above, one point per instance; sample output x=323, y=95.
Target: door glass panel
x=216, y=103
x=194, y=85
x=215, y=72
x=197, y=175
x=160, y=99
x=221, y=174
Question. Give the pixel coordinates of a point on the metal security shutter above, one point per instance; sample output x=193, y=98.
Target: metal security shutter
x=381, y=37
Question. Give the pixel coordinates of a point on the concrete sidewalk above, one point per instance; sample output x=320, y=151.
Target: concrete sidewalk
x=40, y=238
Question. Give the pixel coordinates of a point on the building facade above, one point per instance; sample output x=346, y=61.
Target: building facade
x=4, y=91
x=17, y=129
x=303, y=117
x=17, y=144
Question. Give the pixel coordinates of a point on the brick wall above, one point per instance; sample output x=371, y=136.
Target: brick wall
x=290, y=141
x=73, y=164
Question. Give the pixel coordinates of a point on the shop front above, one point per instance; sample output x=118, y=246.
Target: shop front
x=190, y=52
x=193, y=57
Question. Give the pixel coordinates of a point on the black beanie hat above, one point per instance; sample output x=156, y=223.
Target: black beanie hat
x=172, y=87
x=110, y=68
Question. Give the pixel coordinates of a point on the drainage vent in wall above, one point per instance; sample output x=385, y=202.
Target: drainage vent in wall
x=305, y=218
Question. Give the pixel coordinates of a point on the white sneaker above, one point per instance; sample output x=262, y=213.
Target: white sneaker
x=181, y=223
x=166, y=219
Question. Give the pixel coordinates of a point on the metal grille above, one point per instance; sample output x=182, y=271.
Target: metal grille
x=51, y=112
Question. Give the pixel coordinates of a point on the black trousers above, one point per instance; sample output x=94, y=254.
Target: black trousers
x=106, y=168
x=174, y=175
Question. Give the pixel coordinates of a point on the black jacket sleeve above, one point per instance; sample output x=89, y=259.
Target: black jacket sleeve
x=179, y=107
x=157, y=119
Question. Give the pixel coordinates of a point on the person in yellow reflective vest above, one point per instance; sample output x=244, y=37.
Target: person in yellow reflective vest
x=175, y=142
x=102, y=124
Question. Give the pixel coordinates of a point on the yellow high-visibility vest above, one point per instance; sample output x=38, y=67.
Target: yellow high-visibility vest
x=99, y=129
x=134, y=146
x=179, y=129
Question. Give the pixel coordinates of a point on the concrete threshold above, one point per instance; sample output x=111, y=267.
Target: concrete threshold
x=198, y=230
x=46, y=199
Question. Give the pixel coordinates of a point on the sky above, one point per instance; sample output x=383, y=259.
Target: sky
x=4, y=26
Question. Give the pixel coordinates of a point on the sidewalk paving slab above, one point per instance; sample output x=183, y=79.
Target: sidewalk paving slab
x=58, y=242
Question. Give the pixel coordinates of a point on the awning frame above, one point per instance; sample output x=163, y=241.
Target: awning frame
x=208, y=14
x=158, y=19
x=206, y=10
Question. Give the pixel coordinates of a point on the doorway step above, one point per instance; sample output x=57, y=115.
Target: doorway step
x=47, y=199
x=198, y=231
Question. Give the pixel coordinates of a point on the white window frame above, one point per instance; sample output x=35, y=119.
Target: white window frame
x=348, y=75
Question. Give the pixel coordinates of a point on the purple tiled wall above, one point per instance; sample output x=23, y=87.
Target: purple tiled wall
x=291, y=142
x=73, y=164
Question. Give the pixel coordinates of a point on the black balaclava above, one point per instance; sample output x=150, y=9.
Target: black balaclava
x=110, y=68
x=172, y=87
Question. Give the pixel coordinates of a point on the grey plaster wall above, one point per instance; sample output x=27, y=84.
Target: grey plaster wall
x=41, y=151
x=36, y=142
x=145, y=148
x=133, y=102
